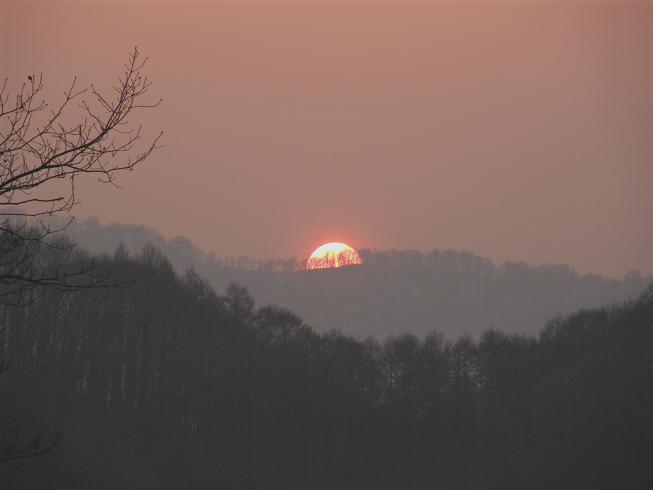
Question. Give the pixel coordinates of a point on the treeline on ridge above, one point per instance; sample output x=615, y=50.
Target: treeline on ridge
x=394, y=292
x=165, y=384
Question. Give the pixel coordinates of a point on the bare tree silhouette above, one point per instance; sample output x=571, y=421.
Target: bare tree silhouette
x=41, y=149
x=15, y=451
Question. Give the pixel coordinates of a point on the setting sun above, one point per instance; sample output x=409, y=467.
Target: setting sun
x=331, y=255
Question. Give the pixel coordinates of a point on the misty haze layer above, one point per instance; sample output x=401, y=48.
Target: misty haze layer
x=453, y=292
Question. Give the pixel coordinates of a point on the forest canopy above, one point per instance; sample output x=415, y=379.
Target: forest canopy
x=166, y=384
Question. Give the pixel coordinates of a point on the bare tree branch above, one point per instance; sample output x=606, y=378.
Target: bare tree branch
x=14, y=451
x=39, y=145
x=102, y=143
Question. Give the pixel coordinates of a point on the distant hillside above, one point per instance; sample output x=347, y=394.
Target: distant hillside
x=394, y=291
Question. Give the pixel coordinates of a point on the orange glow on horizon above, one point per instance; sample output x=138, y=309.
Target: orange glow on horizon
x=332, y=255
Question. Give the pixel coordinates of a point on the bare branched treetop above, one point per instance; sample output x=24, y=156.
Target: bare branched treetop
x=15, y=451
x=38, y=145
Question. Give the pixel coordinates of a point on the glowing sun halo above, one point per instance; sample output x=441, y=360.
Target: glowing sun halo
x=332, y=255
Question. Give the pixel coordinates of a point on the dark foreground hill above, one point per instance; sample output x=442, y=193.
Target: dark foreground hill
x=394, y=292
x=167, y=385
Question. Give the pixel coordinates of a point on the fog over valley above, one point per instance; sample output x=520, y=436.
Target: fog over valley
x=393, y=292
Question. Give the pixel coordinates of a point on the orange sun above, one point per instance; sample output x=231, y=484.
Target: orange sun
x=332, y=255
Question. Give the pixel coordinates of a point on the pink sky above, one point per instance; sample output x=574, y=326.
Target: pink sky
x=513, y=130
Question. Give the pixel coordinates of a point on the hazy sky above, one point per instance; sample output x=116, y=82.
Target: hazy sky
x=518, y=130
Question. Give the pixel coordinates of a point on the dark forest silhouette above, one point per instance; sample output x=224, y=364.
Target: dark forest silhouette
x=166, y=384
